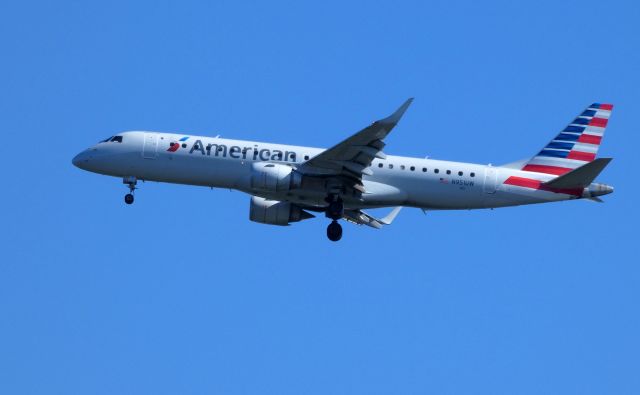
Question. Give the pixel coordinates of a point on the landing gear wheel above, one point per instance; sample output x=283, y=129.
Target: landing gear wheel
x=131, y=182
x=334, y=231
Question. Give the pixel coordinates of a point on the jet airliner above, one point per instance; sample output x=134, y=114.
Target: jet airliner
x=289, y=183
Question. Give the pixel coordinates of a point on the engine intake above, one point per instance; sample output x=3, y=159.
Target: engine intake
x=274, y=212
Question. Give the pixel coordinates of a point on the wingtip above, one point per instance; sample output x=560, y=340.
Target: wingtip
x=395, y=117
x=391, y=216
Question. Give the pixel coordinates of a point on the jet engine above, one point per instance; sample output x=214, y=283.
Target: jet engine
x=273, y=212
x=273, y=177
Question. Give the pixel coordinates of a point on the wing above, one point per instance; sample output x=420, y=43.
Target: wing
x=351, y=158
x=361, y=218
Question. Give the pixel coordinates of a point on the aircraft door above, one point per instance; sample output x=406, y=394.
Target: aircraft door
x=150, y=147
x=490, y=180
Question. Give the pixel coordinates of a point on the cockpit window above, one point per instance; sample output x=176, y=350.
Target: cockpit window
x=107, y=139
x=117, y=139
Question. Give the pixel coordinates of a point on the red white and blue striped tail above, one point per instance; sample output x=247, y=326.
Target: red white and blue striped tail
x=576, y=145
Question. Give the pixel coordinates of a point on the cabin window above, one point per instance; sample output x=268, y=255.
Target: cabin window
x=424, y=169
x=412, y=168
x=306, y=157
x=473, y=174
x=448, y=171
x=390, y=166
x=184, y=145
x=380, y=165
x=436, y=171
x=401, y=167
x=460, y=173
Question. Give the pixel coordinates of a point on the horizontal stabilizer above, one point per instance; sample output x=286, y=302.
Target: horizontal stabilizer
x=581, y=177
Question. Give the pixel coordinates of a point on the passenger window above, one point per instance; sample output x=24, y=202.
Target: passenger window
x=390, y=166
x=473, y=174
x=380, y=165
x=412, y=168
x=460, y=173
x=306, y=157
x=424, y=169
x=117, y=139
x=401, y=167
x=436, y=171
x=448, y=171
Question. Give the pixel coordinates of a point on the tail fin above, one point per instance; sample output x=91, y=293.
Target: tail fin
x=576, y=145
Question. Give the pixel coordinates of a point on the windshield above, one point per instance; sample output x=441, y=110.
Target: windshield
x=112, y=139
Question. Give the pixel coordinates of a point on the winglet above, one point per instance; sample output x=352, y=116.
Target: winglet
x=391, y=216
x=395, y=117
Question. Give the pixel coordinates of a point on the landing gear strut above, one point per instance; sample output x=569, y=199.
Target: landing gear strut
x=335, y=211
x=131, y=182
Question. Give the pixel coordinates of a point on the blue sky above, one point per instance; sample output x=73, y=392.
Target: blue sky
x=181, y=293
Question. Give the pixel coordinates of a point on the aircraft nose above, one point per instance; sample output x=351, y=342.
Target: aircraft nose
x=80, y=160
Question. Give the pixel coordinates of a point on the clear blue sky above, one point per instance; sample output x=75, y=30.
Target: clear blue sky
x=180, y=293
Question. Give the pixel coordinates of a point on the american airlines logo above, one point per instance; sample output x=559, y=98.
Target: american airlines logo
x=236, y=152
x=173, y=147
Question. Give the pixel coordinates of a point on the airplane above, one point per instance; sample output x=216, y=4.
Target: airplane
x=289, y=183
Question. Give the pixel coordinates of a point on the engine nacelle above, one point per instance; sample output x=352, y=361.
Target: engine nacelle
x=273, y=212
x=274, y=177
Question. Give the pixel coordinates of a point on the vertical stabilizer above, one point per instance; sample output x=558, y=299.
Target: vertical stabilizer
x=576, y=145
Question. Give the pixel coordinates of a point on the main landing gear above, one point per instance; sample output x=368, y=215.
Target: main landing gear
x=334, y=231
x=335, y=211
x=131, y=182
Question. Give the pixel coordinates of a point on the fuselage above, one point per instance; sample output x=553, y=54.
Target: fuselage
x=394, y=181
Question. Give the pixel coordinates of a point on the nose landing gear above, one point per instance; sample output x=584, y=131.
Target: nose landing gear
x=131, y=182
x=335, y=211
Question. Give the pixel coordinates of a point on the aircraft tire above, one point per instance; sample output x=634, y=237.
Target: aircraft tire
x=128, y=198
x=334, y=231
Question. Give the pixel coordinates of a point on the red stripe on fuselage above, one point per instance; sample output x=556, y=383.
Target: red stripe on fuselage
x=590, y=139
x=523, y=182
x=537, y=184
x=546, y=169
